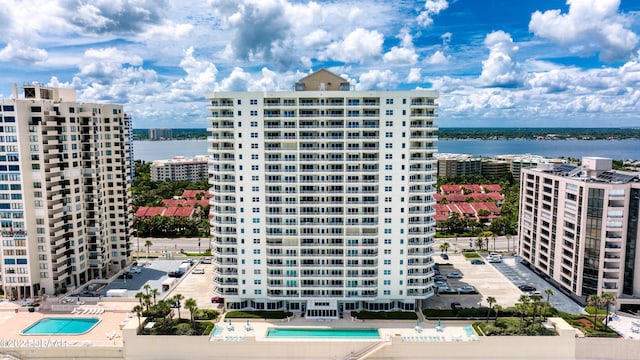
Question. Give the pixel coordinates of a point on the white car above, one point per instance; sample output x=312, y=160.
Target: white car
x=494, y=259
x=198, y=271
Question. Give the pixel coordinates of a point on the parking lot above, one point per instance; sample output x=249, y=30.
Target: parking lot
x=499, y=280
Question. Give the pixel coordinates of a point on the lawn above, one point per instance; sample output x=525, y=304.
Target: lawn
x=384, y=315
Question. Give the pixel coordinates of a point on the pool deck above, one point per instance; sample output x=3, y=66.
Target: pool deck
x=427, y=331
x=12, y=323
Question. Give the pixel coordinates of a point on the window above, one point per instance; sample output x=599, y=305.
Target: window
x=387, y=282
x=255, y=188
x=254, y=113
x=254, y=146
x=239, y=112
x=256, y=220
x=389, y=123
x=388, y=167
x=254, y=156
x=254, y=123
x=257, y=282
x=255, y=178
x=253, y=102
x=388, y=146
x=256, y=261
x=255, y=167
x=387, y=241
x=387, y=272
x=387, y=221
x=239, y=102
x=386, y=292
x=256, y=251
x=389, y=112
x=387, y=210
x=389, y=101
x=256, y=210
x=388, y=178
x=387, y=231
x=388, y=188
x=388, y=134
x=387, y=262
x=388, y=156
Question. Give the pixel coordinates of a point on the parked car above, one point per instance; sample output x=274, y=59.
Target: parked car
x=439, y=278
x=477, y=262
x=454, y=275
x=135, y=270
x=198, y=271
x=535, y=292
x=444, y=256
x=447, y=290
x=494, y=259
x=526, y=288
x=467, y=289
x=456, y=306
x=206, y=260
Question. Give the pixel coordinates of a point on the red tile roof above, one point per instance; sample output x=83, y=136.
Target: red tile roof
x=192, y=194
x=492, y=188
x=448, y=189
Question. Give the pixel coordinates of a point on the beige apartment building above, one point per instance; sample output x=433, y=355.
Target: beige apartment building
x=181, y=168
x=579, y=228
x=323, y=197
x=65, y=172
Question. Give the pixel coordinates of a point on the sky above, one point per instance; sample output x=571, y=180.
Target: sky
x=496, y=63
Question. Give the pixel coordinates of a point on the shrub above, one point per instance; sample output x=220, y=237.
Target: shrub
x=471, y=255
x=258, y=314
x=384, y=315
x=206, y=314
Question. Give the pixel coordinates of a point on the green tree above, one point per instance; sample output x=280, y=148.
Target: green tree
x=595, y=301
x=154, y=293
x=444, y=247
x=191, y=305
x=549, y=294
x=177, y=298
x=138, y=310
x=139, y=295
x=148, y=244
x=608, y=299
x=490, y=300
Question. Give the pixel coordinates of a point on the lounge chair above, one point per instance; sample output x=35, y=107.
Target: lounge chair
x=74, y=311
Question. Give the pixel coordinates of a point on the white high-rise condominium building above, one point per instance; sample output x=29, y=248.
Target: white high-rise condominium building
x=65, y=172
x=180, y=168
x=579, y=228
x=322, y=197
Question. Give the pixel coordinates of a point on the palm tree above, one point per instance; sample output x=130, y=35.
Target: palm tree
x=192, y=306
x=608, y=299
x=523, y=308
x=549, y=294
x=444, y=247
x=497, y=308
x=535, y=305
x=139, y=296
x=490, y=300
x=177, y=298
x=146, y=301
x=595, y=301
x=154, y=293
x=138, y=310
x=479, y=242
x=148, y=244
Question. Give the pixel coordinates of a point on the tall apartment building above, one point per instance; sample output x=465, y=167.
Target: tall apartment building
x=160, y=134
x=579, y=227
x=65, y=171
x=181, y=168
x=322, y=197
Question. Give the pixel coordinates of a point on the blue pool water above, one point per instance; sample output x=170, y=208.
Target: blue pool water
x=61, y=326
x=217, y=330
x=323, y=333
x=469, y=331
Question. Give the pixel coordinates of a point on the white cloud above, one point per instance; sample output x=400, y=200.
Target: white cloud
x=400, y=56
x=432, y=7
x=414, y=75
x=360, y=45
x=500, y=69
x=19, y=52
x=377, y=80
x=437, y=58
x=200, y=79
x=590, y=26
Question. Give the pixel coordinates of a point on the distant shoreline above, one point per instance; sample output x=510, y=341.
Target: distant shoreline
x=468, y=134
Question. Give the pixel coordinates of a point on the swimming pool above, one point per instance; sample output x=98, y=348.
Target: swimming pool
x=61, y=326
x=323, y=333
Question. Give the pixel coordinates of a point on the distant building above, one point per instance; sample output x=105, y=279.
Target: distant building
x=65, y=175
x=160, y=134
x=523, y=161
x=492, y=168
x=579, y=227
x=452, y=165
x=180, y=168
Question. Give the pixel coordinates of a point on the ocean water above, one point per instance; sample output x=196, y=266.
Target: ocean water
x=615, y=149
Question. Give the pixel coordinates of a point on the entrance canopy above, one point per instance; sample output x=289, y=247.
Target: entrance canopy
x=322, y=309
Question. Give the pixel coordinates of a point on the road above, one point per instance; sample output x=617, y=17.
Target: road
x=160, y=245
x=500, y=243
